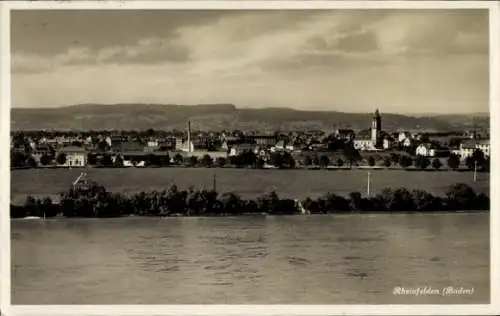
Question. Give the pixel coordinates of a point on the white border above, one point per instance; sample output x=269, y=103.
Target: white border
x=7, y=309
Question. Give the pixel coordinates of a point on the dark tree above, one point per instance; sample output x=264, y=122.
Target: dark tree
x=461, y=197
x=288, y=160
x=207, y=161
x=395, y=158
x=315, y=161
x=119, y=162
x=61, y=159
x=436, y=163
x=164, y=160
x=46, y=159
x=422, y=162
x=454, y=161
x=192, y=161
x=351, y=155
x=307, y=161
x=405, y=161
x=31, y=162
x=17, y=159
x=221, y=161
x=371, y=161
x=340, y=162
x=248, y=158
x=477, y=159
x=178, y=159
x=387, y=162
x=324, y=161
x=259, y=164
x=153, y=160
x=92, y=159
x=106, y=161
x=276, y=159
x=103, y=146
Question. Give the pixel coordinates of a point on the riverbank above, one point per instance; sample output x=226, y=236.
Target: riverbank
x=96, y=201
x=333, y=168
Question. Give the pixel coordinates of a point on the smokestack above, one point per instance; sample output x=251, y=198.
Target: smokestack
x=189, y=135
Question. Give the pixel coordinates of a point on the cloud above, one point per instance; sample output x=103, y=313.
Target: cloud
x=306, y=59
x=435, y=32
x=151, y=50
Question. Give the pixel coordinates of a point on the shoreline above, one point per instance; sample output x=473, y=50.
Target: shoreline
x=329, y=168
x=92, y=200
x=339, y=214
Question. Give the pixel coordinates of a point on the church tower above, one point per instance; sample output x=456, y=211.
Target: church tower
x=189, y=143
x=376, y=130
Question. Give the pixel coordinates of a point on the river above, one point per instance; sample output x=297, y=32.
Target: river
x=342, y=259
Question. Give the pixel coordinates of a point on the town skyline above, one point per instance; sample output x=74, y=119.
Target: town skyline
x=404, y=62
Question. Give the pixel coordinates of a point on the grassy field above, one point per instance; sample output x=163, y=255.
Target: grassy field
x=248, y=183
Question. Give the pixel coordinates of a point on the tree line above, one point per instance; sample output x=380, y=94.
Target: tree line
x=96, y=201
x=279, y=159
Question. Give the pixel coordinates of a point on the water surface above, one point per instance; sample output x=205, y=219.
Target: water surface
x=249, y=183
x=346, y=259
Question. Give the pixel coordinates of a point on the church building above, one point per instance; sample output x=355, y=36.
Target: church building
x=371, y=139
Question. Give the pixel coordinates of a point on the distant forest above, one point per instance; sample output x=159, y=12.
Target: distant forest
x=216, y=117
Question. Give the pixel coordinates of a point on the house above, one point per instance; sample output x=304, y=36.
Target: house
x=403, y=136
x=75, y=156
x=345, y=134
x=132, y=158
x=118, y=139
x=296, y=145
x=280, y=145
x=364, y=144
x=466, y=149
x=387, y=143
x=426, y=150
x=263, y=140
x=484, y=146
x=39, y=150
x=364, y=141
x=152, y=143
x=408, y=142
x=242, y=148
x=128, y=146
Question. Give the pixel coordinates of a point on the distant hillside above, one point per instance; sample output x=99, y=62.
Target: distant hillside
x=220, y=116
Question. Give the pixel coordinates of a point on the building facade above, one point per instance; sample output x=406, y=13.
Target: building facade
x=374, y=140
x=75, y=156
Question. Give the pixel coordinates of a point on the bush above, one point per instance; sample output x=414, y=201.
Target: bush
x=95, y=201
x=436, y=163
x=454, y=162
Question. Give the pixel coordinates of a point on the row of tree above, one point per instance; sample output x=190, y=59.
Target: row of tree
x=476, y=160
x=250, y=159
x=95, y=201
x=245, y=159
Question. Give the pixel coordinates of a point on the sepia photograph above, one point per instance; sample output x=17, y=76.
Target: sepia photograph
x=266, y=154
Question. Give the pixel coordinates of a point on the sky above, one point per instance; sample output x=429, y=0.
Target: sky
x=400, y=61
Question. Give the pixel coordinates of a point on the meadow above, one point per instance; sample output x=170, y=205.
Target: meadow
x=248, y=183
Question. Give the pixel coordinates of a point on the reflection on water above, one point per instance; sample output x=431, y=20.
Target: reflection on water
x=348, y=259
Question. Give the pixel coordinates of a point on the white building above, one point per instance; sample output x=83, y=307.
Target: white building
x=374, y=140
x=387, y=143
x=467, y=148
x=484, y=146
x=426, y=150
x=408, y=142
x=75, y=156
x=241, y=148
x=403, y=136
x=364, y=144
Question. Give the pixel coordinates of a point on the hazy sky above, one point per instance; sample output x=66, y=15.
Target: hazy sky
x=355, y=61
